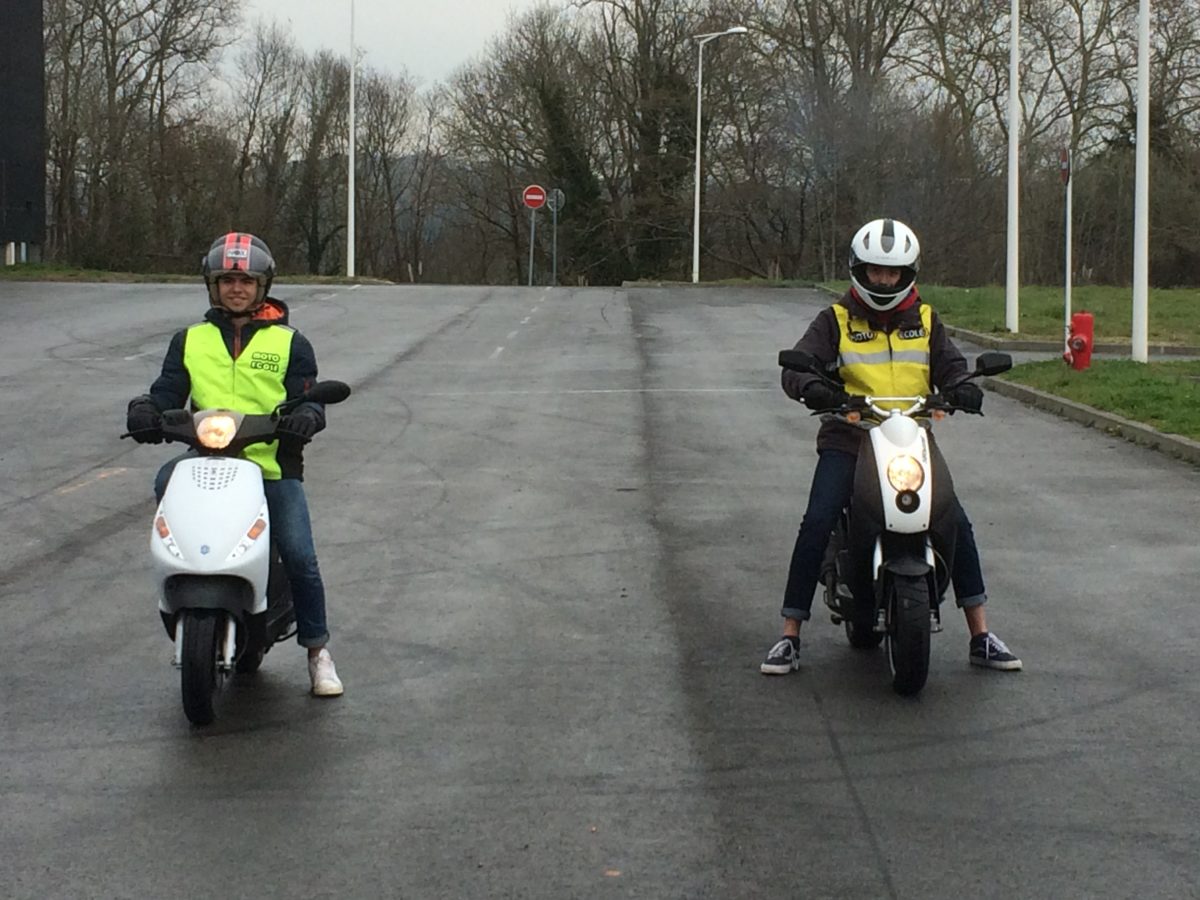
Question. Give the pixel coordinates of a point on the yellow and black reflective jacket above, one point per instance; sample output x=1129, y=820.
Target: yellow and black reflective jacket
x=901, y=354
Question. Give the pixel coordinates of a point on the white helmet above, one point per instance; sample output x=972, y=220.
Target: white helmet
x=884, y=242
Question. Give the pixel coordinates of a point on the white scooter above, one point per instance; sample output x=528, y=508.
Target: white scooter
x=223, y=595
x=889, y=558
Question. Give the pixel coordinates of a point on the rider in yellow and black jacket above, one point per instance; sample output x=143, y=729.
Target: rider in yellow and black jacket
x=244, y=356
x=206, y=362
x=881, y=340
x=903, y=352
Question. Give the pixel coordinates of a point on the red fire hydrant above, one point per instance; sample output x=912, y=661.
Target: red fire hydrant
x=1080, y=341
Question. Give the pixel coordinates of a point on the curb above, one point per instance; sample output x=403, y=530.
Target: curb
x=1171, y=444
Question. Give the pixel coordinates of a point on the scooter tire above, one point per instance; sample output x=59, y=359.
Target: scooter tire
x=908, y=638
x=198, y=667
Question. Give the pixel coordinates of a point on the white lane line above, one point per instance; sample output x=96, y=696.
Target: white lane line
x=595, y=390
x=512, y=334
x=525, y=321
x=495, y=354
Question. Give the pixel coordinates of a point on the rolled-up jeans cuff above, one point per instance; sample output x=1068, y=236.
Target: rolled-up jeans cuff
x=966, y=602
x=800, y=615
x=320, y=641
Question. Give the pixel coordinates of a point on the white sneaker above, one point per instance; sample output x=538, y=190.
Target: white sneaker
x=325, y=681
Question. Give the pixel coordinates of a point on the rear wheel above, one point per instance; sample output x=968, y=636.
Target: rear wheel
x=250, y=660
x=862, y=635
x=198, y=666
x=908, y=638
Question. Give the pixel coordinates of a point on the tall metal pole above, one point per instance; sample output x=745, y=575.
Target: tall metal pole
x=350, y=165
x=1141, y=205
x=532, y=234
x=1070, y=187
x=554, y=245
x=701, y=40
x=696, y=198
x=1012, y=314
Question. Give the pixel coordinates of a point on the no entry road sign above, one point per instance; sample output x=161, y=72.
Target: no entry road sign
x=534, y=196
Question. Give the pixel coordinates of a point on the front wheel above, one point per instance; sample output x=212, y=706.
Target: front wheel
x=198, y=666
x=908, y=638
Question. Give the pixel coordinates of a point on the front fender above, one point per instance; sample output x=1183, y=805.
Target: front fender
x=224, y=592
x=908, y=566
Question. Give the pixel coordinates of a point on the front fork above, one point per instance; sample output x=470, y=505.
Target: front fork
x=227, y=649
x=883, y=610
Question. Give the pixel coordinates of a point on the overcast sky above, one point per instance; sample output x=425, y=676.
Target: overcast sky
x=429, y=38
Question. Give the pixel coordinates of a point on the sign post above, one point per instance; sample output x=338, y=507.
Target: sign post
x=534, y=197
x=1064, y=159
x=555, y=201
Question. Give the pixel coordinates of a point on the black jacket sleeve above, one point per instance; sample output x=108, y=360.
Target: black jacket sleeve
x=302, y=374
x=171, y=388
x=821, y=340
x=947, y=365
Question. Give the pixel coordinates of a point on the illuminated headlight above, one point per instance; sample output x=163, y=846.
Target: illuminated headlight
x=215, y=432
x=163, y=530
x=250, y=537
x=905, y=474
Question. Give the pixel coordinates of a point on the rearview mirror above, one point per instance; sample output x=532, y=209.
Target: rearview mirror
x=799, y=361
x=992, y=363
x=328, y=392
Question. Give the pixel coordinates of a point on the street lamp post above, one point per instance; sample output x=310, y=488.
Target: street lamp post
x=1140, y=350
x=350, y=165
x=701, y=40
x=1012, y=277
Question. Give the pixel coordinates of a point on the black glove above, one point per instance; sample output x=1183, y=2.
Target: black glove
x=302, y=424
x=143, y=421
x=967, y=396
x=819, y=395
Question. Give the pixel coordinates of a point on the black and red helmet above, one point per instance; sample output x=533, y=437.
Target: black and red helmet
x=239, y=252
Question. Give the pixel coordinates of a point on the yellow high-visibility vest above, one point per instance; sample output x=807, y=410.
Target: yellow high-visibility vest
x=882, y=364
x=252, y=384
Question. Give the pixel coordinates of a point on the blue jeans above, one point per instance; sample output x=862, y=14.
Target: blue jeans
x=832, y=487
x=291, y=532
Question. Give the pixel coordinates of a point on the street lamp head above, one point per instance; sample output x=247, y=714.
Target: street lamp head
x=712, y=35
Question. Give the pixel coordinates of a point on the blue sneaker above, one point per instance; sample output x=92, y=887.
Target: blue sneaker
x=989, y=651
x=782, y=658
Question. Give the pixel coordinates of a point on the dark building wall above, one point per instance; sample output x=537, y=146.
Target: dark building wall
x=22, y=122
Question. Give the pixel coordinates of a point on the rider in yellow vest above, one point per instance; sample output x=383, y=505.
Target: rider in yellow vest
x=878, y=339
x=244, y=356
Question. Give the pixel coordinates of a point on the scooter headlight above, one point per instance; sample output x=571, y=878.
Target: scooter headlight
x=905, y=474
x=215, y=432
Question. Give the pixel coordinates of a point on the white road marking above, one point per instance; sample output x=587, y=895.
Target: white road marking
x=595, y=390
x=495, y=353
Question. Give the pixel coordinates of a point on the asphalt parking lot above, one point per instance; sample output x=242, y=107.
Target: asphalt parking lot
x=554, y=528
